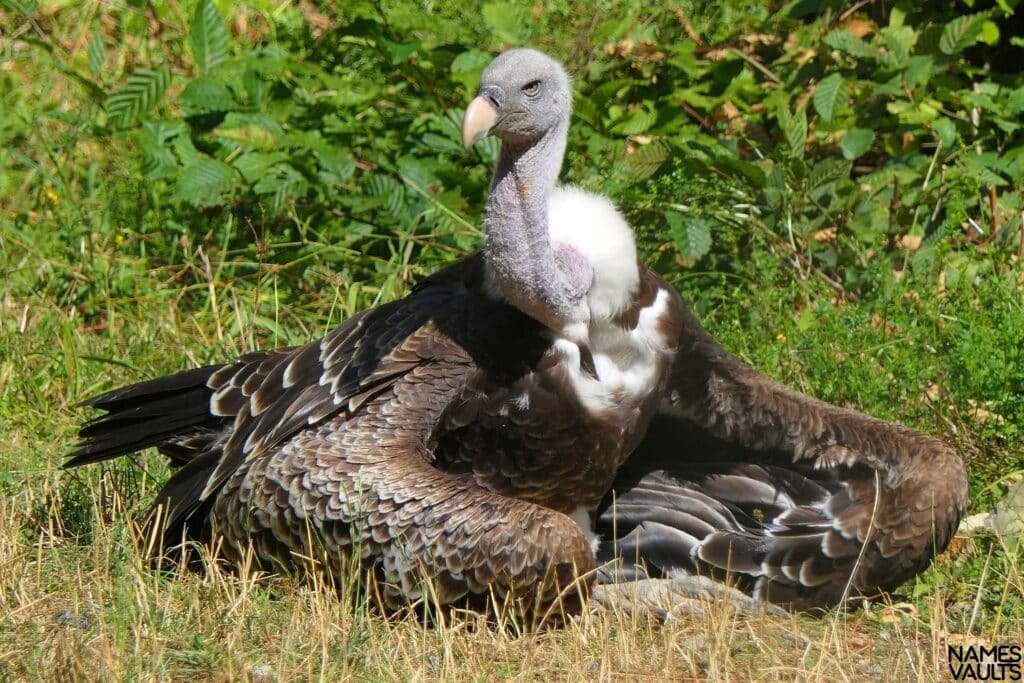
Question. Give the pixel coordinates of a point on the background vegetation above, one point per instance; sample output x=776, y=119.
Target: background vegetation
x=836, y=188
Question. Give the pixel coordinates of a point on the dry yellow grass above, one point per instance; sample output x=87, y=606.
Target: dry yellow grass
x=93, y=609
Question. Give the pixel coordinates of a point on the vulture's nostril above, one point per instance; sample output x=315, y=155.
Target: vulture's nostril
x=492, y=94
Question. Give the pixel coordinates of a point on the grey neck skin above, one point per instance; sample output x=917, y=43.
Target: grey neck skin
x=546, y=283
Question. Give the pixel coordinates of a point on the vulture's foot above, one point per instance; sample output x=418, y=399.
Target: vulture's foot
x=686, y=596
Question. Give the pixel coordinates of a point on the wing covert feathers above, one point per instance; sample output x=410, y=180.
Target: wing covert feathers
x=326, y=450
x=404, y=517
x=810, y=503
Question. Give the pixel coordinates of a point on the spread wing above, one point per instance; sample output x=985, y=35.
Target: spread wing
x=798, y=501
x=230, y=413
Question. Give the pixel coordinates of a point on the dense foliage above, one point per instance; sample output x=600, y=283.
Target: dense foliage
x=863, y=138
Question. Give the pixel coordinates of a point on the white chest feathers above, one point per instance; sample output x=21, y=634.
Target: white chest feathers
x=595, y=228
x=627, y=362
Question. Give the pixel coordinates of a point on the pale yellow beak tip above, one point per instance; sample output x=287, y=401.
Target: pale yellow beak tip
x=479, y=119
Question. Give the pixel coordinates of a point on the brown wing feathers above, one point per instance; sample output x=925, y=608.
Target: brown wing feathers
x=805, y=497
x=410, y=519
x=335, y=434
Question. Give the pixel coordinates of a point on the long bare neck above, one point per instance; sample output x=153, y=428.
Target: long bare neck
x=546, y=284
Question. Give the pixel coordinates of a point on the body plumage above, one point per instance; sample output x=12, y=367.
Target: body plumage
x=470, y=433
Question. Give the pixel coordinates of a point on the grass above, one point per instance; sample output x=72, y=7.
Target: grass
x=113, y=620
x=89, y=302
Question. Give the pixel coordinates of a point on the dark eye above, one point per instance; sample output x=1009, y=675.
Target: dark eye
x=532, y=88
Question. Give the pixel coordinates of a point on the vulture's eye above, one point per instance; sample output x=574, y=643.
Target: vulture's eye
x=532, y=88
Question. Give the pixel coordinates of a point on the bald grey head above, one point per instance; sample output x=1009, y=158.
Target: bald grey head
x=525, y=100
x=523, y=94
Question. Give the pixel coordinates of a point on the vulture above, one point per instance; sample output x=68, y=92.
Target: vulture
x=456, y=442
x=540, y=414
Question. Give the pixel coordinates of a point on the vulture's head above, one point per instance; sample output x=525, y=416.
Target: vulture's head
x=523, y=94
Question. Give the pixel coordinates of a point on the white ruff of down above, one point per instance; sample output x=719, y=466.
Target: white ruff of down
x=624, y=359
x=593, y=225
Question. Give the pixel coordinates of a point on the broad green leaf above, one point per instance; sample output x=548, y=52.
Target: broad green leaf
x=826, y=171
x=506, y=20
x=204, y=182
x=608, y=90
x=945, y=131
x=255, y=137
x=983, y=167
x=691, y=235
x=336, y=165
x=253, y=165
x=989, y=33
x=203, y=96
x=471, y=61
x=283, y=182
x=207, y=37
x=255, y=87
x=157, y=160
x=807, y=320
x=238, y=119
x=441, y=143
x=310, y=140
x=420, y=173
x=488, y=149
x=844, y=41
x=775, y=190
x=684, y=57
x=1015, y=102
x=918, y=70
x=982, y=100
x=744, y=170
x=139, y=95
x=584, y=110
x=961, y=33
x=635, y=122
x=467, y=66
x=387, y=188
x=647, y=159
x=827, y=95
x=794, y=127
x=163, y=131
x=96, y=55
x=258, y=130
x=856, y=142
x=185, y=150
x=899, y=42
x=1010, y=127
x=986, y=177
x=399, y=52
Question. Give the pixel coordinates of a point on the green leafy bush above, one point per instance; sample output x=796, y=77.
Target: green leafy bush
x=848, y=139
x=842, y=137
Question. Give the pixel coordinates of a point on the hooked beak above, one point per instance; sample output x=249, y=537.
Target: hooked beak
x=481, y=115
